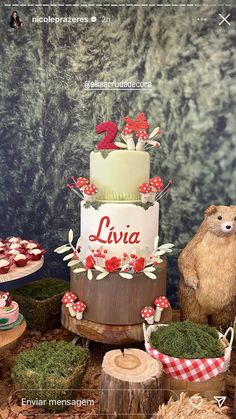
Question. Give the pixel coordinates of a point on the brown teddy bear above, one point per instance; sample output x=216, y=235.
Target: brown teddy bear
x=208, y=269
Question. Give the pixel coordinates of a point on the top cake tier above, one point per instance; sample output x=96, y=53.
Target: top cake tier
x=118, y=174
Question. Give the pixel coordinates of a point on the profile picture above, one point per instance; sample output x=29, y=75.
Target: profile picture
x=16, y=22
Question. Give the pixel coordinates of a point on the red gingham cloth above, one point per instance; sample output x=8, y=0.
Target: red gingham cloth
x=188, y=369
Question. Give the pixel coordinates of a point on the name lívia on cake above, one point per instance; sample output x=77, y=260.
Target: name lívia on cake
x=106, y=234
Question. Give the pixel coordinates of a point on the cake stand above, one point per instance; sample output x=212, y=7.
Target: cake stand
x=10, y=337
x=107, y=333
x=17, y=273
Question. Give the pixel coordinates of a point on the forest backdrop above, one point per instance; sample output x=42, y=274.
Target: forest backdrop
x=47, y=118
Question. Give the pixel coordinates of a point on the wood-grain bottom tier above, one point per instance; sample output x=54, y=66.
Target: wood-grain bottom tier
x=115, y=300
x=104, y=333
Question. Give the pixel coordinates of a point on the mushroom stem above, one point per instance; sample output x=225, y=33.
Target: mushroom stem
x=89, y=198
x=157, y=315
x=140, y=145
x=130, y=142
x=150, y=320
x=71, y=311
x=79, y=315
x=144, y=197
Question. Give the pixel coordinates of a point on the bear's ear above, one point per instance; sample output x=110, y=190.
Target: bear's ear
x=211, y=210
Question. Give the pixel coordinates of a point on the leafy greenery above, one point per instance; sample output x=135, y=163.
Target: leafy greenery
x=104, y=153
x=43, y=289
x=93, y=204
x=48, y=370
x=141, y=204
x=187, y=340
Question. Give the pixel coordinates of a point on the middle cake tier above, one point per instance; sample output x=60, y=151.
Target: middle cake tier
x=119, y=228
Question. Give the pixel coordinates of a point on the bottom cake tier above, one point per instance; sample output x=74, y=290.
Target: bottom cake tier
x=118, y=301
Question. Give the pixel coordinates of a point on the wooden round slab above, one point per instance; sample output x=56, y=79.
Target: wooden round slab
x=17, y=273
x=115, y=300
x=105, y=333
x=130, y=383
x=9, y=338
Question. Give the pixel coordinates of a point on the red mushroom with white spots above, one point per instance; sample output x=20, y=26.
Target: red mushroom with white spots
x=78, y=308
x=156, y=183
x=81, y=183
x=68, y=299
x=145, y=189
x=127, y=135
x=157, y=186
x=161, y=303
x=89, y=192
x=142, y=137
x=147, y=313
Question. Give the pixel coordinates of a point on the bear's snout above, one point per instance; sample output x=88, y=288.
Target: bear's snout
x=227, y=226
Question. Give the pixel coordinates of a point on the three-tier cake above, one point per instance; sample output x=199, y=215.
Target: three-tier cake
x=117, y=265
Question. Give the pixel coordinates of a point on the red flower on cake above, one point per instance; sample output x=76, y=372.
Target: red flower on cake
x=139, y=264
x=90, y=262
x=112, y=264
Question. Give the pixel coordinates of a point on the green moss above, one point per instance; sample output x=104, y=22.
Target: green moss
x=144, y=206
x=43, y=289
x=93, y=204
x=50, y=371
x=187, y=340
x=40, y=302
x=104, y=153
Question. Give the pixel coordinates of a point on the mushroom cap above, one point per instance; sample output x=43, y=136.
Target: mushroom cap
x=68, y=297
x=127, y=130
x=161, y=302
x=90, y=190
x=81, y=181
x=157, y=183
x=142, y=135
x=79, y=306
x=145, y=188
x=147, y=312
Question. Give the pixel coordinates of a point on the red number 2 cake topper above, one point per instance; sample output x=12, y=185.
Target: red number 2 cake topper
x=111, y=130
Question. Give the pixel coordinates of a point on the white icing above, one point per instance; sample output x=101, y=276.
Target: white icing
x=15, y=246
x=114, y=219
x=31, y=245
x=36, y=251
x=20, y=257
x=3, y=263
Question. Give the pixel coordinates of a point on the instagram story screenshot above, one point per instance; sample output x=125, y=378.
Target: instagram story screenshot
x=117, y=209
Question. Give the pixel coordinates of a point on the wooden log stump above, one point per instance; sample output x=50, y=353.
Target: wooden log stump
x=130, y=384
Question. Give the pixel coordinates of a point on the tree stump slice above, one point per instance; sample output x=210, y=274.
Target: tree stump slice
x=130, y=384
x=10, y=338
x=106, y=333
